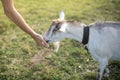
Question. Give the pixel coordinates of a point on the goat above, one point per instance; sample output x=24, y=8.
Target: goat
x=103, y=39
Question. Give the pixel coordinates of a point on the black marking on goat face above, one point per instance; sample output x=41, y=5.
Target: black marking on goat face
x=57, y=27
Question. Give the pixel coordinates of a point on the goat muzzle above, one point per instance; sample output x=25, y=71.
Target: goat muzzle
x=47, y=41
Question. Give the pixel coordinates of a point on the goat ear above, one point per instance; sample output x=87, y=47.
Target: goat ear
x=62, y=29
x=62, y=15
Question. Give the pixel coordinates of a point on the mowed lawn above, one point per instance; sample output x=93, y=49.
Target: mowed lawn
x=21, y=59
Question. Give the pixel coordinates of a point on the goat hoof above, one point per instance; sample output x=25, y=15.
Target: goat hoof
x=106, y=75
x=97, y=79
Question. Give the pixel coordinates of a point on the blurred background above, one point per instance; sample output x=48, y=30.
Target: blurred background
x=21, y=59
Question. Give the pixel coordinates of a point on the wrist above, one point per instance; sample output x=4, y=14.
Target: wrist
x=33, y=34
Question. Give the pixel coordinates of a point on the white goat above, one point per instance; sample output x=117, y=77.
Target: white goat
x=103, y=39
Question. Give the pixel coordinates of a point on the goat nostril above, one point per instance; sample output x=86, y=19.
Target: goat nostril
x=47, y=41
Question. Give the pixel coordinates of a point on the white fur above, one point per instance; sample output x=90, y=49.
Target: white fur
x=104, y=40
x=61, y=15
x=56, y=46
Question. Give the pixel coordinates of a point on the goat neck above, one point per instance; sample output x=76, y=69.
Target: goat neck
x=75, y=30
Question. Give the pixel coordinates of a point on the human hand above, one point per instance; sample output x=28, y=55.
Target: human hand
x=39, y=40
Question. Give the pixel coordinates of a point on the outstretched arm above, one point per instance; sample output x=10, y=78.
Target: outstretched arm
x=15, y=16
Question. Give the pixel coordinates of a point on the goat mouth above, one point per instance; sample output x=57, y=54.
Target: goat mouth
x=47, y=41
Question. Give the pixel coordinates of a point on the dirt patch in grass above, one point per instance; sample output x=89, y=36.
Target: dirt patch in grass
x=41, y=55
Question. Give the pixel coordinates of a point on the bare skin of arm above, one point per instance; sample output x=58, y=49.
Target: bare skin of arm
x=15, y=16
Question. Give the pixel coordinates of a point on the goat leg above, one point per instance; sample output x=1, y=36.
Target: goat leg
x=102, y=65
x=106, y=72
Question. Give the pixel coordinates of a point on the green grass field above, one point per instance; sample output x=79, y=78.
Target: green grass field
x=21, y=59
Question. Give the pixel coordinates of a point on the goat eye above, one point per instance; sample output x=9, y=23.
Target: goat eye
x=54, y=30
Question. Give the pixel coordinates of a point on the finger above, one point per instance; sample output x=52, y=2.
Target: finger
x=45, y=44
x=42, y=43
